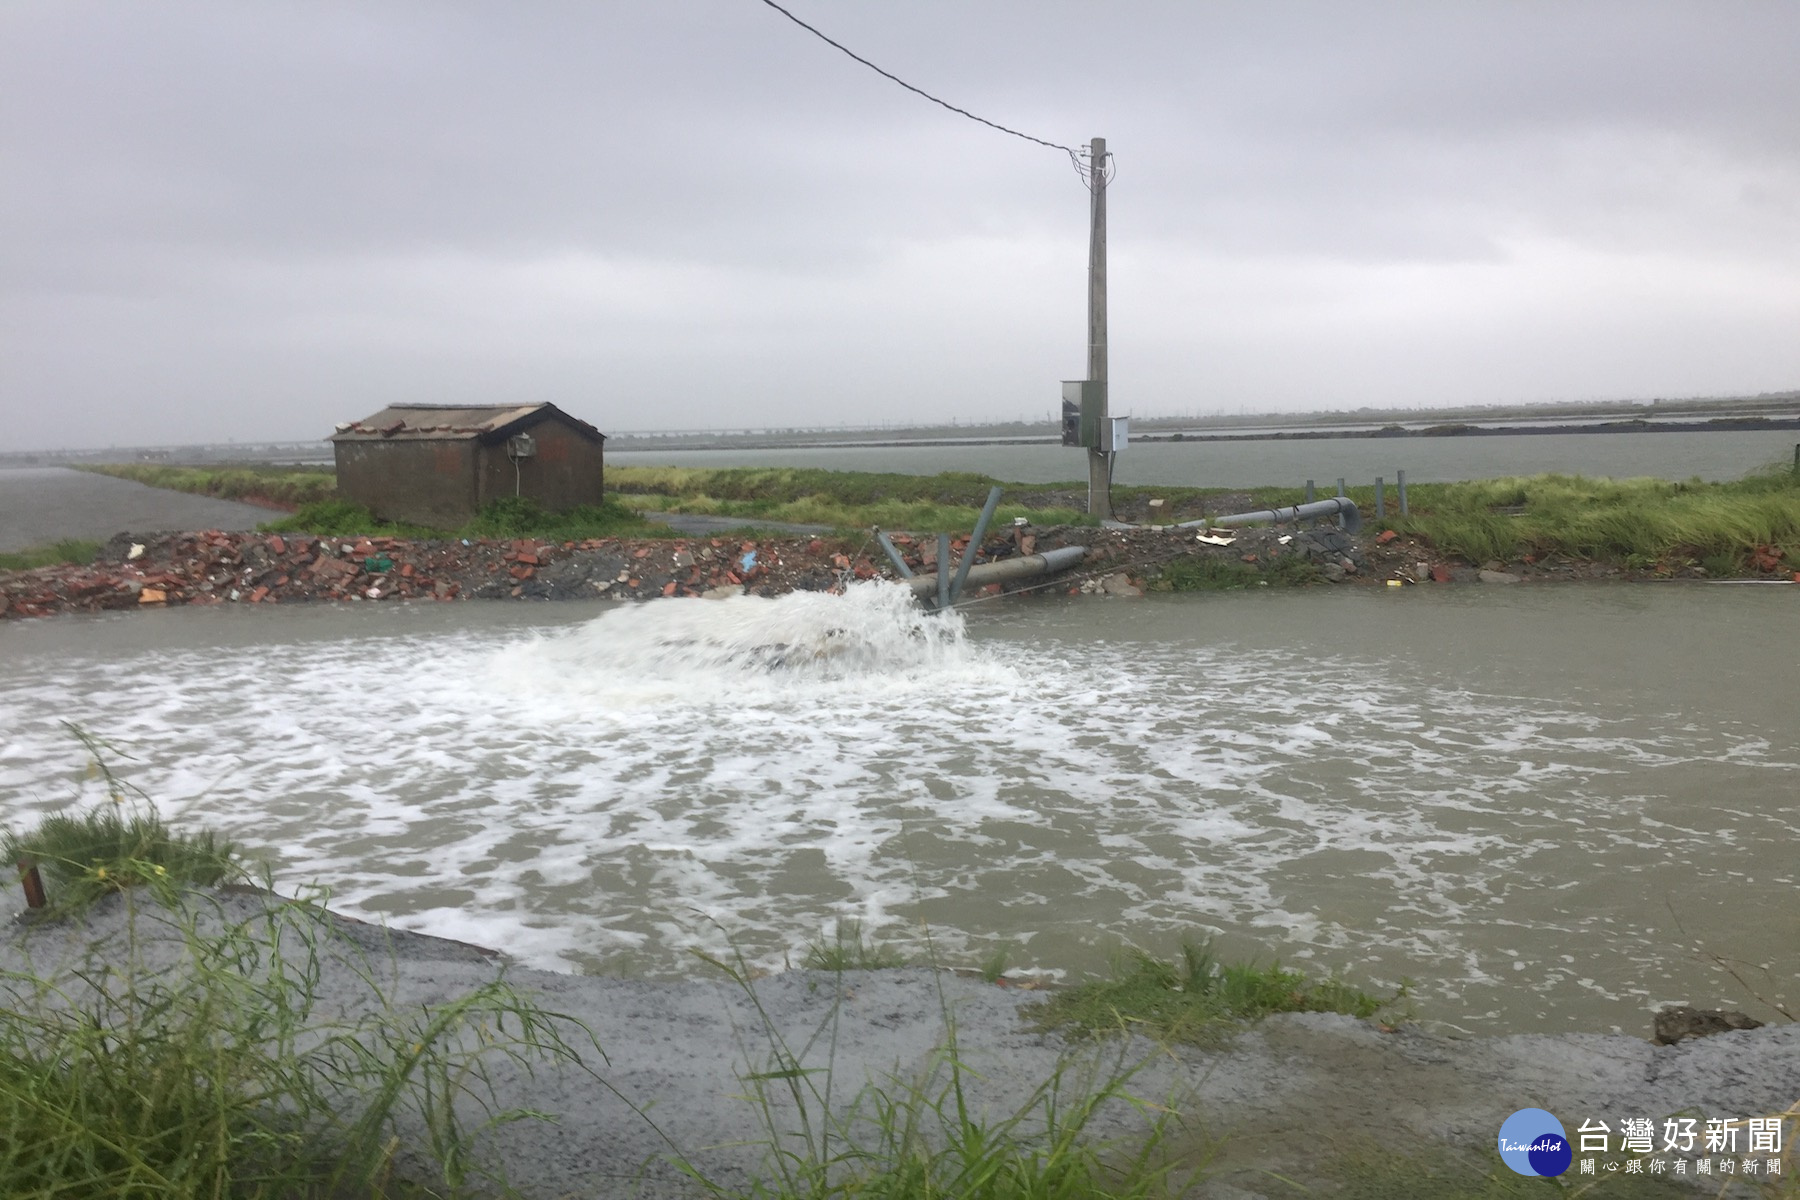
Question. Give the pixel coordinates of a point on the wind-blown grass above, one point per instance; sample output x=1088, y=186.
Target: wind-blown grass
x=121, y=843
x=92, y=854
x=925, y=1137
x=1609, y=520
x=190, y=1057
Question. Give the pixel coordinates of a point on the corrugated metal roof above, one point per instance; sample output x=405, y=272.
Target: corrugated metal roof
x=447, y=422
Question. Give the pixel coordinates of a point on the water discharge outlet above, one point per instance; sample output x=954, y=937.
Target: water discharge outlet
x=949, y=589
x=1008, y=570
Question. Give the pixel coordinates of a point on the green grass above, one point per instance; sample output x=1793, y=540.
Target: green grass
x=1196, y=999
x=87, y=855
x=280, y=485
x=69, y=550
x=947, y=502
x=849, y=950
x=1632, y=522
x=926, y=1136
x=189, y=1057
x=340, y=518
x=122, y=843
x=208, y=1069
x=516, y=517
x=509, y=517
x=1626, y=521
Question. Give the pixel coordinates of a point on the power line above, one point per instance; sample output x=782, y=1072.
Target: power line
x=1074, y=156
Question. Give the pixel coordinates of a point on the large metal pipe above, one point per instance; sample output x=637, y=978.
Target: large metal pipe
x=1009, y=569
x=1337, y=505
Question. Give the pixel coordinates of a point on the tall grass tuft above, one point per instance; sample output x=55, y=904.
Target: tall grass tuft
x=849, y=950
x=190, y=1056
x=1196, y=999
x=121, y=843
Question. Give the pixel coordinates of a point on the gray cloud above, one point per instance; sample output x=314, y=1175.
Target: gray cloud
x=254, y=221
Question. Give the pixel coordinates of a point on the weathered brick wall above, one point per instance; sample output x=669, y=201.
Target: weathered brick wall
x=419, y=482
x=567, y=471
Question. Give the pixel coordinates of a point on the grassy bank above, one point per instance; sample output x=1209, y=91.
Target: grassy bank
x=948, y=502
x=69, y=550
x=287, y=486
x=1637, y=523
x=506, y=518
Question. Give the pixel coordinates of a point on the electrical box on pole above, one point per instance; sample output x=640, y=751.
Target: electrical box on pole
x=1084, y=413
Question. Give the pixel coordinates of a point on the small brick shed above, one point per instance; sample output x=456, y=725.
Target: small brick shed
x=438, y=464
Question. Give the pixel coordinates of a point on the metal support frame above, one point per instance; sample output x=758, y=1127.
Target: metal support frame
x=943, y=571
x=974, y=546
x=894, y=556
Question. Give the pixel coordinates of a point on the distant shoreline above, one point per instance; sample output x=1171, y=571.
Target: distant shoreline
x=623, y=444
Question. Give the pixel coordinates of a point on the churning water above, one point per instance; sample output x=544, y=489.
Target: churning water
x=1532, y=802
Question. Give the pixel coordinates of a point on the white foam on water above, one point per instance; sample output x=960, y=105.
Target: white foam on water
x=695, y=773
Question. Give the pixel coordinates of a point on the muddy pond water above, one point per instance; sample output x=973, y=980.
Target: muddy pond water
x=1537, y=803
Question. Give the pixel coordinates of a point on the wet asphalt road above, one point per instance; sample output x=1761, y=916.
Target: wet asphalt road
x=39, y=505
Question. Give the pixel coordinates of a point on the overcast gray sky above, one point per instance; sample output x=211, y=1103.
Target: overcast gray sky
x=254, y=220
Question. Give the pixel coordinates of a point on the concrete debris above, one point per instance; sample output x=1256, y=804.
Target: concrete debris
x=1499, y=577
x=214, y=567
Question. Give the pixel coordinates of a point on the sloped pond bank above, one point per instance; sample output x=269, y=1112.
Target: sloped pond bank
x=1283, y=1101
x=142, y=570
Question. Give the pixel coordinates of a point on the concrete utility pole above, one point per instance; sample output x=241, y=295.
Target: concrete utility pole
x=1099, y=468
